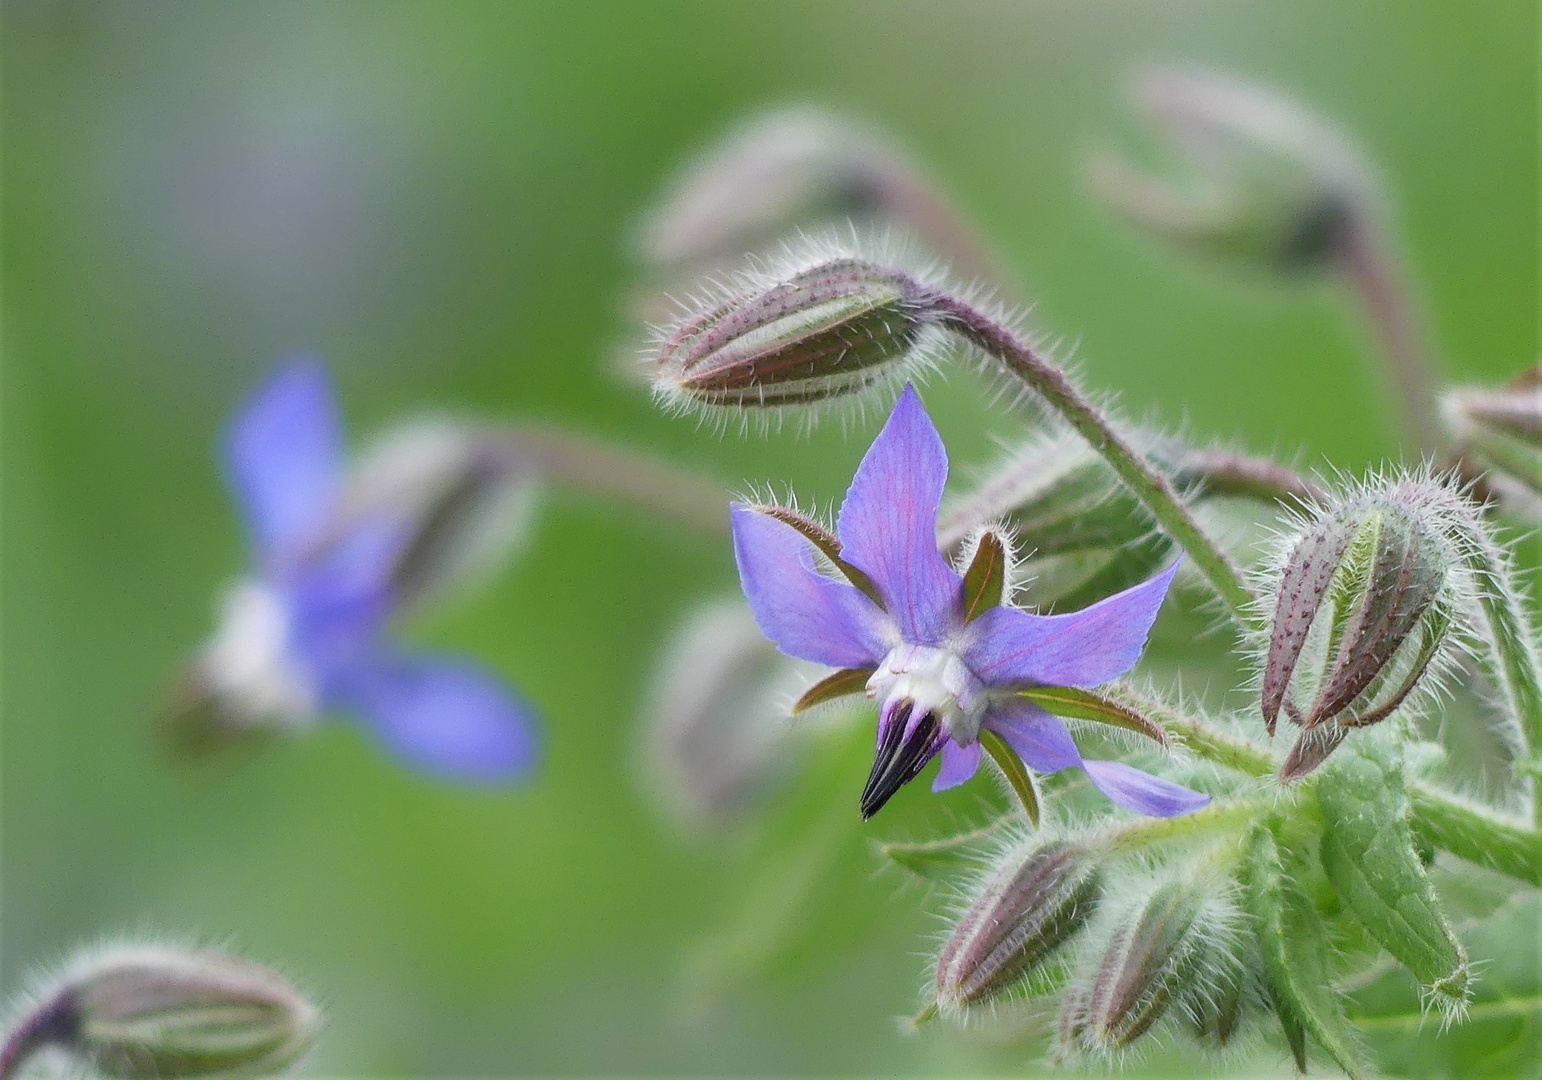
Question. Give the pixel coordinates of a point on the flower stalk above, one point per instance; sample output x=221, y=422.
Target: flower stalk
x=1144, y=480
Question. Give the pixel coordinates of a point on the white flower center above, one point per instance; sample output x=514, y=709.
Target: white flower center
x=248, y=664
x=938, y=682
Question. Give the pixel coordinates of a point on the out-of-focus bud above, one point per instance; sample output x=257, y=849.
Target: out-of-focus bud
x=465, y=491
x=1155, y=955
x=1362, y=611
x=158, y=1011
x=717, y=729
x=1498, y=436
x=1273, y=186
x=812, y=333
x=800, y=169
x=1031, y=903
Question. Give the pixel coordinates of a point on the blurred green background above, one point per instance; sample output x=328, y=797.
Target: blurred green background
x=436, y=198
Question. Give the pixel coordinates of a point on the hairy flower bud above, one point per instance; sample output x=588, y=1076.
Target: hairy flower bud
x=1362, y=612
x=1153, y=957
x=1274, y=186
x=821, y=331
x=1499, y=441
x=716, y=731
x=159, y=1011
x=1028, y=906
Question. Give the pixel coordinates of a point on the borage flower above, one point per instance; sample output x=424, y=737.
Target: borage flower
x=944, y=660
x=306, y=633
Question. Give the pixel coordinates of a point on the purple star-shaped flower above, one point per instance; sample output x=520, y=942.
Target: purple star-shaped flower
x=940, y=674
x=306, y=634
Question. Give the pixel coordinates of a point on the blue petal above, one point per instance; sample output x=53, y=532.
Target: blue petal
x=1083, y=648
x=1045, y=745
x=1040, y=739
x=283, y=456
x=446, y=716
x=342, y=597
x=802, y=612
x=888, y=524
x=1142, y=792
x=959, y=763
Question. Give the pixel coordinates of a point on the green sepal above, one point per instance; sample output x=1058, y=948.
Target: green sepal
x=1100, y=708
x=1293, y=943
x=1369, y=853
x=841, y=683
x=986, y=578
x=1014, y=770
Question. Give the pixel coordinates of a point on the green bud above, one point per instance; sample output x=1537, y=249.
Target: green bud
x=1030, y=904
x=161, y=1011
x=824, y=331
x=1362, y=611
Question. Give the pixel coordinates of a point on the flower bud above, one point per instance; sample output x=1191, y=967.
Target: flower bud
x=158, y=1011
x=1499, y=441
x=1029, y=905
x=465, y=491
x=1153, y=957
x=1275, y=187
x=1361, y=614
x=826, y=330
x=717, y=729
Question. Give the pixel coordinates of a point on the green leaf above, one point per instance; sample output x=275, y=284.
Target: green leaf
x=1369, y=853
x=1502, y=1035
x=938, y=859
x=1015, y=771
x=1100, y=708
x=986, y=577
x=1293, y=942
x=1472, y=834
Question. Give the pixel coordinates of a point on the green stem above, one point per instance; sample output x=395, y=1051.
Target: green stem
x=1475, y=835
x=1144, y=480
x=1204, y=740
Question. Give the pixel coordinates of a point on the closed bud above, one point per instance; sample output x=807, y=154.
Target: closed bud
x=1156, y=954
x=1273, y=186
x=717, y=730
x=814, y=333
x=157, y=1011
x=1498, y=435
x=1030, y=904
x=463, y=490
x=1363, y=608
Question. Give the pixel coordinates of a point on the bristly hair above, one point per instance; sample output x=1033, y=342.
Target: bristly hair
x=884, y=248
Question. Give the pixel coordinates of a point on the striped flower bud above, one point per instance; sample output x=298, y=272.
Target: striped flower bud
x=1363, y=609
x=159, y=1011
x=1033, y=901
x=1153, y=957
x=1273, y=186
x=821, y=331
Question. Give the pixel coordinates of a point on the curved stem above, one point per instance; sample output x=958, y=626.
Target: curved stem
x=618, y=473
x=1143, y=479
x=1373, y=271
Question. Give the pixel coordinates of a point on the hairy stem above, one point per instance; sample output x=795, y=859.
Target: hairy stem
x=1144, y=480
x=1217, y=816
x=1476, y=835
x=615, y=472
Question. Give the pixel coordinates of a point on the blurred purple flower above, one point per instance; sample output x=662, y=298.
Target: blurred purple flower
x=307, y=633
x=939, y=677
